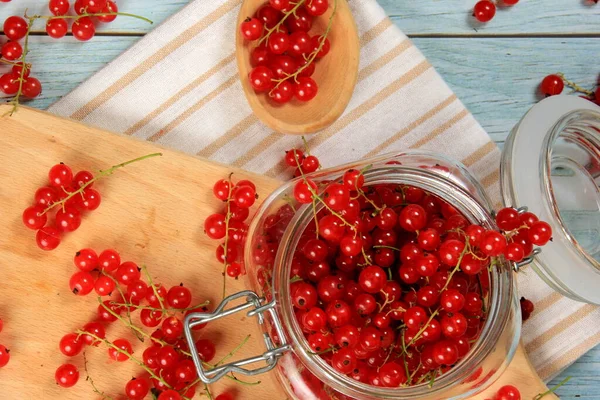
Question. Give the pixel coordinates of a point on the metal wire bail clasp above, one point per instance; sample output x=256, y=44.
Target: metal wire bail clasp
x=269, y=357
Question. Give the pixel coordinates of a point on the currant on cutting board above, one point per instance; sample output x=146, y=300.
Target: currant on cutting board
x=4, y=352
x=284, y=54
x=229, y=225
x=18, y=82
x=70, y=196
x=168, y=371
x=388, y=281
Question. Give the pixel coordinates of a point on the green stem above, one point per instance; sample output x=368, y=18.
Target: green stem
x=91, y=381
x=49, y=17
x=232, y=352
x=151, y=283
x=121, y=351
x=227, y=218
x=101, y=174
x=552, y=390
x=164, y=310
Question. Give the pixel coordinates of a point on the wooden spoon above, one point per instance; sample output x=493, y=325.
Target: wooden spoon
x=335, y=74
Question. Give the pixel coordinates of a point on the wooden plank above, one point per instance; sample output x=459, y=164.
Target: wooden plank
x=496, y=79
x=161, y=228
x=413, y=17
x=527, y=17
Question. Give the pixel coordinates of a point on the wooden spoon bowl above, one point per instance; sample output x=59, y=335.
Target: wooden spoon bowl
x=335, y=74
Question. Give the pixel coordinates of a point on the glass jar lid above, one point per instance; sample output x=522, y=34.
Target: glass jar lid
x=551, y=164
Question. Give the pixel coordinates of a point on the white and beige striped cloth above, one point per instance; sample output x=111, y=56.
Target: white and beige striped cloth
x=178, y=86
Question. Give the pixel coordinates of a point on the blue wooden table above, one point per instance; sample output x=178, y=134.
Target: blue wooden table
x=494, y=69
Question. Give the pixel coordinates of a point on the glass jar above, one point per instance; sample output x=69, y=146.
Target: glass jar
x=569, y=162
x=557, y=144
x=305, y=374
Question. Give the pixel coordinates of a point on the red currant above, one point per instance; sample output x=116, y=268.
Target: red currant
x=48, y=238
x=484, y=10
x=125, y=348
x=83, y=29
x=34, y=217
x=137, y=388
x=70, y=345
x=32, y=87
x=252, y=28
x=508, y=392
x=306, y=89
x=110, y=7
x=66, y=375
x=179, y=297
x=317, y=7
x=12, y=51
x=59, y=7
x=261, y=79
x=540, y=233
x=552, y=85
x=57, y=28
x=15, y=28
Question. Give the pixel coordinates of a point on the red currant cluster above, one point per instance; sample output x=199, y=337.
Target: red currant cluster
x=229, y=224
x=527, y=308
x=88, y=12
x=84, y=26
x=388, y=281
x=4, y=352
x=167, y=364
x=285, y=55
x=554, y=84
x=15, y=29
x=71, y=194
x=485, y=10
x=304, y=164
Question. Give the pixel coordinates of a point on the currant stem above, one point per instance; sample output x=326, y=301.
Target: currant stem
x=101, y=174
x=232, y=352
x=50, y=17
x=130, y=321
x=129, y=356
x=553, y=389
x=154, y=290
x=420, y=332
x=575, y=86
x=139, y=333
x=285, y=16
x=455, y=270
x=227, y=218
x=91, y=381
x=164, y=310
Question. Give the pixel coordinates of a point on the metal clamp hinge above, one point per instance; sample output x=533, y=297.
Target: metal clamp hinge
x=258, y=308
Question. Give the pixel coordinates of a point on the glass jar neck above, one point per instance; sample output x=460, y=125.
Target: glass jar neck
x=476, y=209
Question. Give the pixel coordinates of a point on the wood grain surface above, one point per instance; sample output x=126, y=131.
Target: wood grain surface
x=534, y=38
x=152, y=213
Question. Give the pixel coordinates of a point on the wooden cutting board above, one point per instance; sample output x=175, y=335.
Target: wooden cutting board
x=152, y=212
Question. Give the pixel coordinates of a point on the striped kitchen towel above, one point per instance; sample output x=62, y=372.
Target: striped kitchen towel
x=178, y=86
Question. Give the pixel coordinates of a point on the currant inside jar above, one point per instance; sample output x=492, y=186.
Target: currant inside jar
x=285, y=259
